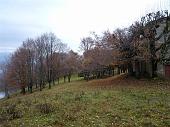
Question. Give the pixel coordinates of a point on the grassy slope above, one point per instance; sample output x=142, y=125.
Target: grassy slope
x=115, y=101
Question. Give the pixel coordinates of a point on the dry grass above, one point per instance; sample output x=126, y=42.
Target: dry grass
x=119, y=101
x=125, y=81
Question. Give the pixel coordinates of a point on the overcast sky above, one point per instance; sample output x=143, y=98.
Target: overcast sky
x=70, y=20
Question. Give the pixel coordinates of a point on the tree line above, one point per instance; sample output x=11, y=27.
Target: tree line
x=38, y=62
x=43, y=60
x=122, y=47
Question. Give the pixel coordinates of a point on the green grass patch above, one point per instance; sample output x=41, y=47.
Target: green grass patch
x=80, y=104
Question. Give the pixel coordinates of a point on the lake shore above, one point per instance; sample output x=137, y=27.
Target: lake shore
x=2, y=95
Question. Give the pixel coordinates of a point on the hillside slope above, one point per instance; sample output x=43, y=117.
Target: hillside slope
x=116, y=101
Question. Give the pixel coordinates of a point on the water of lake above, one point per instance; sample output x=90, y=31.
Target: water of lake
x=2, y=95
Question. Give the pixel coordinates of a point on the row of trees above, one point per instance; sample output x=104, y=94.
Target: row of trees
x=123, y=46
x=40, y=61
x=45, y=59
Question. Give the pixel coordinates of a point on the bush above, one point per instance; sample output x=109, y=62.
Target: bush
x=45, y=108
x=10, y=112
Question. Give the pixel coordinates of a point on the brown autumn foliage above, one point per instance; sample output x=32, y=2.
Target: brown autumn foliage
x=123, y=46
x=40, y=61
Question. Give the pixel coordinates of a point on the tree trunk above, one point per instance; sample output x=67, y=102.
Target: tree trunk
x=118, y=70
x=23, y=90
x=113, y=72
x=69, y=77
x=36, y=85
x=64, y=79
x=53, y=82
x=58, y=79
x=31, y=88
x=6, y=92
x=130, y=68
x=40, y=85
x=49, y=82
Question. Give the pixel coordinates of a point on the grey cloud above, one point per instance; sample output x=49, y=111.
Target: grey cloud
x=12, y=34
x=21, y=19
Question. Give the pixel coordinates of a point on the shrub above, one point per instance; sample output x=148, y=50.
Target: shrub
x=10, y=112
x=45, y=108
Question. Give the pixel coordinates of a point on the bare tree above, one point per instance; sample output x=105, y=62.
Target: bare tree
x=86, y=44
x=30, y=58
x=40, y=56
